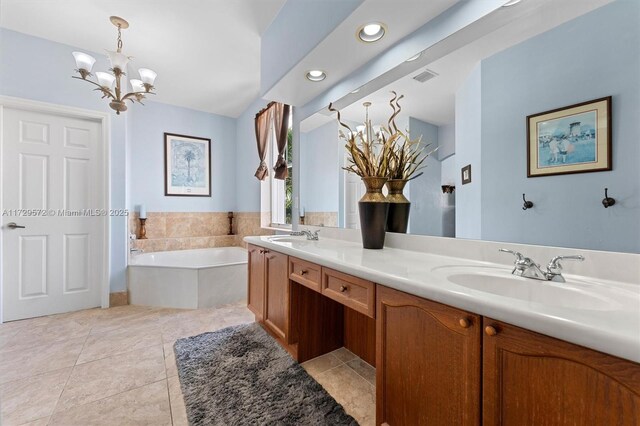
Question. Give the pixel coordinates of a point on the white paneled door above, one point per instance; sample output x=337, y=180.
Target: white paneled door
x=53, y=220
x=353, y=190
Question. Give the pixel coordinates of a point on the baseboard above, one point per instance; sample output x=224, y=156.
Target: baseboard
x=118, y=299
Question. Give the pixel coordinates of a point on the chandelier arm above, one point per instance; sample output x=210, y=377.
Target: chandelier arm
x=103, y=89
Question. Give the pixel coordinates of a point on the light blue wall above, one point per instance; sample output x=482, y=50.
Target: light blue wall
x=425, y=192
x=39, y=69
x=247, y=186
x=446, y=141
x=298, y=28
x=320, y=151
x=593, y=56
x=468, y=129
x=149, y=123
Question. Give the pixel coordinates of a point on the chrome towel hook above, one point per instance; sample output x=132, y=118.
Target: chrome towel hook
x=527, y=204
x=607, y=201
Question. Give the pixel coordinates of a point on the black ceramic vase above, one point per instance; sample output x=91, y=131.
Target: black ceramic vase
x=399, y=206
x=373, y=208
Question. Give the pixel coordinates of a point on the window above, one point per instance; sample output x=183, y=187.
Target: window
x=281, y=191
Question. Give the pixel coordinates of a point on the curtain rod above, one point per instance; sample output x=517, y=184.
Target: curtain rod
x=265, y=109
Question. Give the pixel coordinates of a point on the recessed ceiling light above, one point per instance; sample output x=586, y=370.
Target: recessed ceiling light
x=511, y=3
x=316, y=75
x=414, y=57
x=371, y=32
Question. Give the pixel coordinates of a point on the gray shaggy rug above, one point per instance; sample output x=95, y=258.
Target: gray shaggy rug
x=241, y=376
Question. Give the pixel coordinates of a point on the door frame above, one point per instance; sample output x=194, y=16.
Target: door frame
x=104, y=119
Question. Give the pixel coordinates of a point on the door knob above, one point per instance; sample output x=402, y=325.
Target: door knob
x=464, y=323
x=13, y=225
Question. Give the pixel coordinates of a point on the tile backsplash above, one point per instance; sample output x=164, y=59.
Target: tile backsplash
x=193, y=230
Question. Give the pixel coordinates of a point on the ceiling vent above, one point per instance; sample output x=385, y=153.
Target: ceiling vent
x=424, y=76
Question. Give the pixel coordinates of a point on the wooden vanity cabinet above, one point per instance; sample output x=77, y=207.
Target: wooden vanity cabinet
x=277, y=294
x=428, y=362
x=269, y=292
x=255, y=290
x=532, y=379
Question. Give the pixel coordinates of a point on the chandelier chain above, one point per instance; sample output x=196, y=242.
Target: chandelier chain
x=119, y=39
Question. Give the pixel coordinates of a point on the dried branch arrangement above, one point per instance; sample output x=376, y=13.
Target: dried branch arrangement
x=387, y=153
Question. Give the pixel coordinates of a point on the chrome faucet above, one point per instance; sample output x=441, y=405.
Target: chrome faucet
x=132, y=249
x=312, y=236
x=527, y=268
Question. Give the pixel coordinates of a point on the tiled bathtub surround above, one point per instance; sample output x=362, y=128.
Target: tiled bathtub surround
x=321, y=218
x=193, y=230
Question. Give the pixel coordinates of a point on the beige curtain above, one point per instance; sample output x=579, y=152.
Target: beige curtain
x=281, y=126
x=262, y=124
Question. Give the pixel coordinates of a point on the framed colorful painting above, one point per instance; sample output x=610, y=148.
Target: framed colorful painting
x=187, y=165
x=572, y=139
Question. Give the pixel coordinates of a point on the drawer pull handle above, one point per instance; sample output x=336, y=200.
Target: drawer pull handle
x=464, y=323
x=491, y=331
x=343, y=288
x=302, y=272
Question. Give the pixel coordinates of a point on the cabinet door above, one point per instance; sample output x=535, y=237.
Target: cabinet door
x=428, y=362
x=255, y=293
x=276, y=314
x=532, y=379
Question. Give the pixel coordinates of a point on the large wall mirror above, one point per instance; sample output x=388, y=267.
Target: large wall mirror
x=474, y=103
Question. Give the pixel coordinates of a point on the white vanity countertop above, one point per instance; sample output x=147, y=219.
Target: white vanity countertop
x=598, y=314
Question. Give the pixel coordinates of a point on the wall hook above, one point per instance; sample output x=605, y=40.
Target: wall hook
x=527, y=204
x=607, y=201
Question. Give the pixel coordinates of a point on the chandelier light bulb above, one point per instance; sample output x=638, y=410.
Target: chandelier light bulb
x=118, y=60
x=147, y=76
x=83, y=61
x=105, y=79
x=137, y=85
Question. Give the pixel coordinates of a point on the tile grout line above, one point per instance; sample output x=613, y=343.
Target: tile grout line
x=355, y=371
x=69, y=378
x=106, y=397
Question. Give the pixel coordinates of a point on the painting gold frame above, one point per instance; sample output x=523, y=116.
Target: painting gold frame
x=600, y=110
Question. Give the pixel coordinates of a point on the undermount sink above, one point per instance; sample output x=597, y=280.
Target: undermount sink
x=501, y=282
x=287, y=238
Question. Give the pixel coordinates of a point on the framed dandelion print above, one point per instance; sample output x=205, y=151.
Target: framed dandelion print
x=187, y=165
x=572, y=139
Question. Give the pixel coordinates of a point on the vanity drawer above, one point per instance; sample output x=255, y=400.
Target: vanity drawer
x=354, y=293
x=306, y=273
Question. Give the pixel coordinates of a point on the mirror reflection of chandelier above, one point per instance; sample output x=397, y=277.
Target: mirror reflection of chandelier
x=109, y=83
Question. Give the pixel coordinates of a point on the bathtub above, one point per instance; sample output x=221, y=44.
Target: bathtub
x=189, y=279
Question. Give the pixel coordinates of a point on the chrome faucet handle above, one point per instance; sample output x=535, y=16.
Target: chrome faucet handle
x=519, y=257
x=555, y=267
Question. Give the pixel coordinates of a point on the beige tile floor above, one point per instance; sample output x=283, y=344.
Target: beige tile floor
x=116, y=367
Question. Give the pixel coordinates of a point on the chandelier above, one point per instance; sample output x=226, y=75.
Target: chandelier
x=109, y=83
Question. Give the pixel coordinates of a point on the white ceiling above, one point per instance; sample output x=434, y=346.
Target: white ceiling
x=434, y=100
x=341, y=53
x=206, y=53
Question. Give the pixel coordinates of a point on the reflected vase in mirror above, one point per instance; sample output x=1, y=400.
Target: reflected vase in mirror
x=399, y=206
x=373, y=208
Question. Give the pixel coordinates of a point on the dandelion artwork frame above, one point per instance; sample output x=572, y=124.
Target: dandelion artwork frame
x=571, y=139
x=187, y=166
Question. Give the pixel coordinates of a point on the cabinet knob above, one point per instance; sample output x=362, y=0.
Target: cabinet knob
x=302, y=272
x=464, y=323
x=343, y=288
x=491, y=331
x=265, y=251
